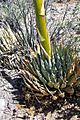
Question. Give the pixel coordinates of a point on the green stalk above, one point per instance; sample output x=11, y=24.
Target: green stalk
x=41, y=26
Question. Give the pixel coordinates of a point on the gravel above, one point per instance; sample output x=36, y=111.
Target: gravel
x=12, y=104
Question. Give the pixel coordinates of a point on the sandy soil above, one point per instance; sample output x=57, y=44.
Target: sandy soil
x=12, y=104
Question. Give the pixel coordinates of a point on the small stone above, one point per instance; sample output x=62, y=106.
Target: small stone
x=20, y=115
x=74, y=117
x=14, y=112
x=2, y=104
x=63, y=108
x=24, y=117
x=48, y=117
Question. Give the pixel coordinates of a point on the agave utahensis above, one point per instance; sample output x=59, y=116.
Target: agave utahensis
x=9, y=46
x=42, y=76
x=52, y=77
x=45, y=77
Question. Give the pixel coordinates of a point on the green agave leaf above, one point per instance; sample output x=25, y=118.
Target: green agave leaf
x=41, y=78
x=52, y=77
x=51, y=84
x=31, y=69
x=56, y=85
x=62, y=94
x=63, y=85
x=45, y=74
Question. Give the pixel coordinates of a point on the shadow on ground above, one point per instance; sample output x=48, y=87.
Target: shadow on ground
x=65, y=108
x=17, y=84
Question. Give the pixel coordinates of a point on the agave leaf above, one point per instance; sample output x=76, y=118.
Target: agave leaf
x=56, y=85
x=51, y=84
x=2, y=48
x=62, y=94
x=34, y=64
x=77, y=82
x=69, y=90
x=63, y=85
x=30, y=81
x=37, y=71
x=52, y=77
x=31, y=69
x=71, y=79
x=44, y=71
x=42, y=79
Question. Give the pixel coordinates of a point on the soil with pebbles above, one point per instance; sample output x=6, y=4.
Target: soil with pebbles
x=12, y=104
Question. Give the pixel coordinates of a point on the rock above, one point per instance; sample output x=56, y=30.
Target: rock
x=2, y=104
x=49, y=116
x=74, y=117
x=2, y=107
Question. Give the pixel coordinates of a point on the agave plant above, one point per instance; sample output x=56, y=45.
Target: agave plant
x=7, y=44
x=52, y=76
x=41, y=25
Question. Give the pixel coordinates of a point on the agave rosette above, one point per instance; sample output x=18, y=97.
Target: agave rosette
x=51, y=77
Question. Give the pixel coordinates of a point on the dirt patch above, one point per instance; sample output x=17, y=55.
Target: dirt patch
x=12, y=103
x=14, y=107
